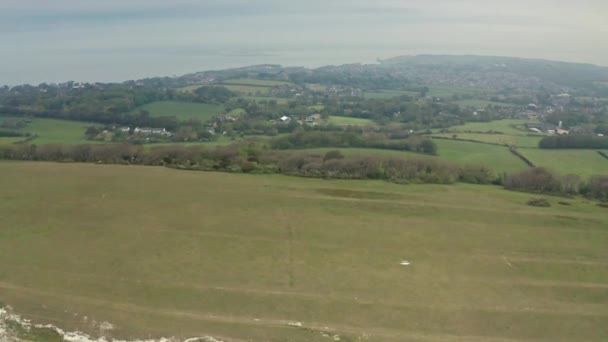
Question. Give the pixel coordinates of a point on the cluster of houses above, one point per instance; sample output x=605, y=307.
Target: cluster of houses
x=548, y=128
x=146, y=131
x=310, y=120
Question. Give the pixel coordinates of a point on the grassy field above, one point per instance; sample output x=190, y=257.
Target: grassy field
x=8, y=141
x=345, y=120
x=183, y=110
x=254, y=82
x=483, y=103
x=503, y=139
x=160, y=252
x=364, y=152
x=242, y=89
x=511, y=127
x=267, y=98
x=52, y=131
x=496, y=157
x=581, y=162
x=387, y=94
x=448, y=91
x=251, y=90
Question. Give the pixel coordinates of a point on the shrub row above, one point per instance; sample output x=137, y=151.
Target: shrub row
x=574, y=141
x=541, y=180
x=316, y=139
x=252, y=157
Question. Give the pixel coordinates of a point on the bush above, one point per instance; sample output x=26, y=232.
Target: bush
x=598, y=188
x=477, y=175
x=335, y=154
x=535, y=179
x=538, y=202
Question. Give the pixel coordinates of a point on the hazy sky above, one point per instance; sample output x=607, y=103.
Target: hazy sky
x=115, y=40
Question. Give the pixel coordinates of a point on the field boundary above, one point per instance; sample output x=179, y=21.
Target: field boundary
x=522, y=157
x=469, y=140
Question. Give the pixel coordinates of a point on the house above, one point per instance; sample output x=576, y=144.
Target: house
x=285, y=119
x=542, y=128
x=124, y=129
x=149, y=130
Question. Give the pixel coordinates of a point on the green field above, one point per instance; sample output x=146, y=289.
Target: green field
x=243, y=89
x=511, y=127
x=499, y=158
x=387, y=94
x=52, y=131
x=255, y=82
x=345, y=120
x=503, y=139
x=580, y=162
x=318, y=108
x=354, y=151
x=8, y=140
x=160, y=252
x=267, y=98
x=448, y=91
x=183, y=110
x=483, y=103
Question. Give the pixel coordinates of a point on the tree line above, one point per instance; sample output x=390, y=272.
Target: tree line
x=253, y=157
x=316, y=139
x=541, y=180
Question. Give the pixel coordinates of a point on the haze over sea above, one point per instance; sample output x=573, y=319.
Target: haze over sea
x=113, y=40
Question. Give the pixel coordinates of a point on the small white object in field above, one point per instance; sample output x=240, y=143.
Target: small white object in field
x=405, y=263
x=294, y=324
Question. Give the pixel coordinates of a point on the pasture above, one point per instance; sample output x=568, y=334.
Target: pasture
x=477, y=103
x=9, y=140
x=279, y=100
x=584, y=163
x=347, y=120
x=387, y=94
x=509, y=126
x=53, y=131
x=498, y=158
x=502, y=139
x=183, y=110
x=256, y=82
x=448, y=91
x=246, y=89
x=160, y=252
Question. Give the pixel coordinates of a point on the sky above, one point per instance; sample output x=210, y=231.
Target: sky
x=117, y=40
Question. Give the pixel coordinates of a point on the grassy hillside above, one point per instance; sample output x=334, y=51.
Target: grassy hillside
x=183, y=110
x=160, y=252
